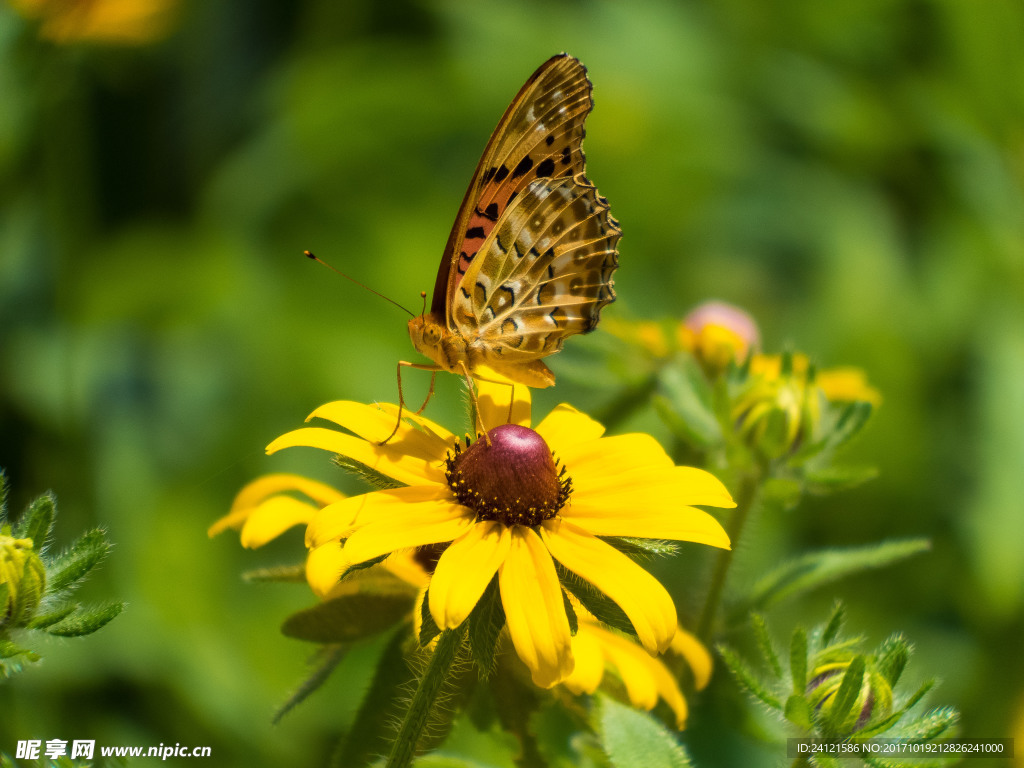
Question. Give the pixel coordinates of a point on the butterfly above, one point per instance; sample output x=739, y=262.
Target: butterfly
x=530, y=258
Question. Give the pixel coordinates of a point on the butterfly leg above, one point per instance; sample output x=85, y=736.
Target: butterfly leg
x=401, y=394
x=430, y=394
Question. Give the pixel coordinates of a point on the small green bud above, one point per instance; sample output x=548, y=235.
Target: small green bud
x=848, y=692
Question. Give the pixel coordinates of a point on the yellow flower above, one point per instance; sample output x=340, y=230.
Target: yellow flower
x=506, y=509
x=645, y=677
x=268, y=506
x=127, y=22
x=845, y=384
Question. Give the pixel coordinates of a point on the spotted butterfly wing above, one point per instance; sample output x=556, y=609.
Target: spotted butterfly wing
x=530, y=258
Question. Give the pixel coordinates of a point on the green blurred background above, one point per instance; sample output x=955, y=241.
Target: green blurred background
x=849, y=171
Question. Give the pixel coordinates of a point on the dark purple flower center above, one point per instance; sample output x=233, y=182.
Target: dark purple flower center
x=514, y=480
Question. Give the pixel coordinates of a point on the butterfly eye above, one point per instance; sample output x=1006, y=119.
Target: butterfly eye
x=431, y=334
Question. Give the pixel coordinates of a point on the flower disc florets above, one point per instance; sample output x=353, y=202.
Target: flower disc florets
x=515, y=480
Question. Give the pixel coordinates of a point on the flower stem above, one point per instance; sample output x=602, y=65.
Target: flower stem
x=745, y=498
x=437, y=671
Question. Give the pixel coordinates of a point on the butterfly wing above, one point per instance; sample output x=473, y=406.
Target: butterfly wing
x=539, y=136
x=544, y=273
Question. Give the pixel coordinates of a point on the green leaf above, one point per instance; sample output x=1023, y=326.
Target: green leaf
x=642, y=547
x=9, y=650
x=798, y=712
x=603, y=607
x=369, y=475
x=852, y=420
x=839, y=477
x=348, y=618
x=69, y=568
x=844, y=700
x=4, y=488
x=328, y=659
x=893, y=656
x=85, y=622
x=813, y=570
x=764, y=642
x=43, y=620
x=428, y=627
x=686, y=403
x=485, y=624
x=798, y=660
x=570, y=614
x=835, y=623
x=746, y=677
x=277, y=573
x=373, y=726
x=37, y=522
x=363, y=566
x=932, y=725
x=634, y=739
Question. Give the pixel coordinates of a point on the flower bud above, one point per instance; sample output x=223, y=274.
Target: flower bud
x=874, y=700
x=24, y=576
x=717, y=333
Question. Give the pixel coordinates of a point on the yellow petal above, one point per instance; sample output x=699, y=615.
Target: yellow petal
x=436, y=431
x=649, y=503
x=607, y=457
x=649, y=484
x=589, y=670
x=386, y=459
x=696, y=655
x=532, y=598
x=634, y=667
x=374, y=424
x=273, y=517
x=642, y=598
x=645, y=677
x=405, y=567
x=255, y=492
x=502, y=403
x=324, y=566
x=677, y=524
x=338, y=520
x=464, y=571
x=413, y=525
x=565, y=426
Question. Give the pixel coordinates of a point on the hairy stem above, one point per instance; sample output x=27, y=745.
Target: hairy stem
x=745, y=498
x=437, y=672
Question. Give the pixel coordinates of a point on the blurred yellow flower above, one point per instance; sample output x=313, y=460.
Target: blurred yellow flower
x=844, y=384
x=507, y=509
x=124, y=22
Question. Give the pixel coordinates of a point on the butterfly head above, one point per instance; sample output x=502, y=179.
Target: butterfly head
x=432, y=338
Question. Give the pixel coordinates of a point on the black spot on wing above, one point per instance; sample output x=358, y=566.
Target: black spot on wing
x=566, y=156
x=489, y=174
x=546, y=168
x=524, y=165
x=549, y=140
x=501, y=173
x=490, y=212
x=475, y=233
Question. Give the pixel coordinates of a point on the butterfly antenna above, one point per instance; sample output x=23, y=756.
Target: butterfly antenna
x=423, y=295
x=311, y=255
